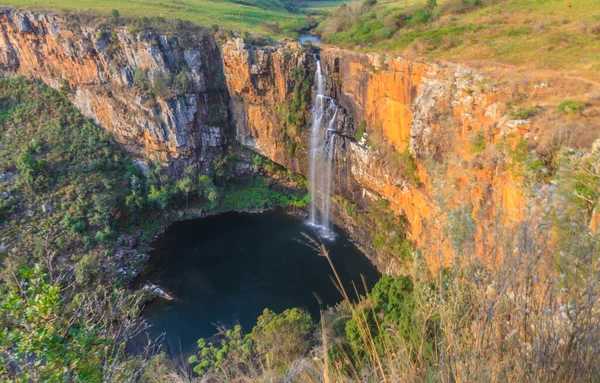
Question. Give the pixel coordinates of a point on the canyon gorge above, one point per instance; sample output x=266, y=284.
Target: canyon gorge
x=405, y=130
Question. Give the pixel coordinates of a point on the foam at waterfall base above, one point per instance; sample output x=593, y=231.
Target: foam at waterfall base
x=321, y=231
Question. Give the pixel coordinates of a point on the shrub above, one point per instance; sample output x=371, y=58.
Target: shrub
x=281, y=338
x=160, y=86
x=362, y=128
x=140, y=80
x=477, y=142
x=570, y=106
x=421, y=16
x=525, y=112
x=86, y=270
x=115, y=15
x=183, y=84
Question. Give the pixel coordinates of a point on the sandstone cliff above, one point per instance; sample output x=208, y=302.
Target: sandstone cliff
x=433, y=111
x=431, y=139
x=98, y=66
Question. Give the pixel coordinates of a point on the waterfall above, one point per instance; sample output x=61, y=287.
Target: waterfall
x=322, y=147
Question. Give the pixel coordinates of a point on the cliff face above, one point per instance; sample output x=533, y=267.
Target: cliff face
x=117, y=79
x=435, y=115
x=409, y=132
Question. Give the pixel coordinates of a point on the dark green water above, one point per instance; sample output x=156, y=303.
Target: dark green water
x=226, y=269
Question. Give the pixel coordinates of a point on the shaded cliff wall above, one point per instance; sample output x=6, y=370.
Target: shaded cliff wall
x=99, y=67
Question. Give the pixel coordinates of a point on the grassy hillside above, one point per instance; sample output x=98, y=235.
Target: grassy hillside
x=533, y=34
x=243, y=15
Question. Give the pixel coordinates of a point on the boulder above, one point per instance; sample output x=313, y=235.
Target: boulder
x=47, y=208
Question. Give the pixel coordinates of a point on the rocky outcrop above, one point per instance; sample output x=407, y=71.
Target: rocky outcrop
x=163, y=97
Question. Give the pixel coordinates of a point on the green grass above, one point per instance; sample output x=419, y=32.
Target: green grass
x=258, y=195
x=536, y=34
x=244, y=15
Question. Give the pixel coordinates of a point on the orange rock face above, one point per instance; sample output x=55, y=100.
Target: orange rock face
x=447, y=117
x=436, y=112
x=98, y=68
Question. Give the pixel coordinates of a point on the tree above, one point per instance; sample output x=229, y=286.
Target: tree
x=47, y=338
x=115, y=14
x=431, y=4
x=281, y=338
x=186, y=186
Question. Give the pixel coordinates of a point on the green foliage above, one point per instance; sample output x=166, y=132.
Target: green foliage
x=393, y=300
x=408, y=165
x=46, y=346
x=431, y=4
x=86, y=270
x=362, y=128
x=208, y=191
x=160, y=86
x=525, y=112
x=115, y=15
x=235, y=347
x=183, y=84
x=526, y=164
x=223, y=167
x=281, y=338
x=256, y=195
x=140, y=79
x=31, y=169
x=369, y=3
x=389, y=236
x=477, y=142
x=421, y=16
x=294, y=110
x=64, y=160
x=570, y=107
x=160, y=196
x=276, y=339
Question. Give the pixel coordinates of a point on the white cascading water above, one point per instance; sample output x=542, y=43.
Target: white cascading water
x=322, y=147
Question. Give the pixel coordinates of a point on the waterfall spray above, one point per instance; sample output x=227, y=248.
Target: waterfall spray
x=324, y=117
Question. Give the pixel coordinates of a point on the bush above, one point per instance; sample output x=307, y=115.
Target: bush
x=525, y=113
x=281, y=338
x=140, y=80
x=421, y=16
x=86, y=270
x=477, y=142
x=362, y=128
x=570, y=106
x=160, y=86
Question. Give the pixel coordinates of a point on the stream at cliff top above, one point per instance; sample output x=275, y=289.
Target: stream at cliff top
x=226, y=269
x=305, y=37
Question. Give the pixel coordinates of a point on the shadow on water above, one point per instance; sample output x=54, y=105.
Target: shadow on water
x=226, y=269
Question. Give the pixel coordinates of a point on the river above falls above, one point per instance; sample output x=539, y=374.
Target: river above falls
x=306, y=37
x=226, y=269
